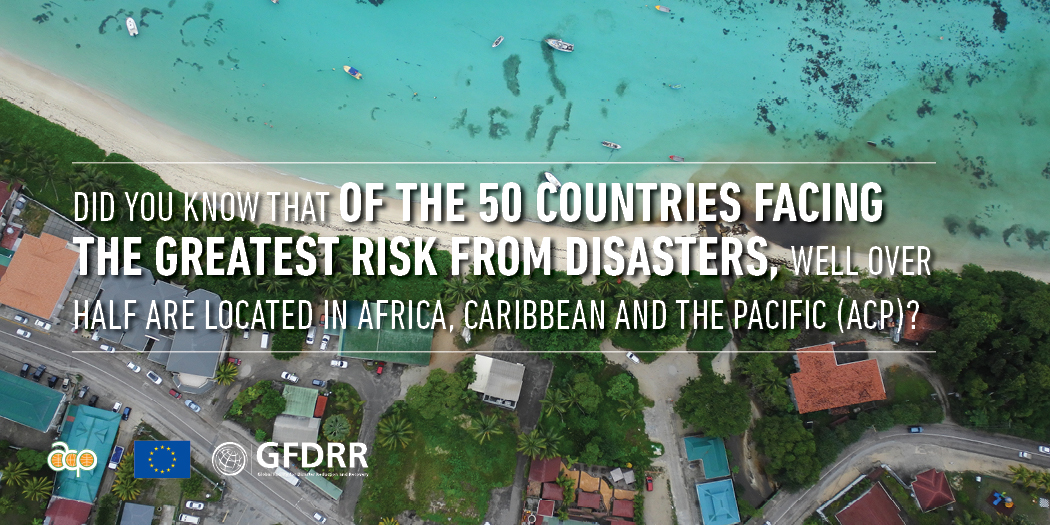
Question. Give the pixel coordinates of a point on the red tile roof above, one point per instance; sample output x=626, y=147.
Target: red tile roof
x=590, y=500
x=923, y=326
x=544, y=470
x=553, y=491
x=623, y=508
x=822, y=384
x=620, y=522
x=36, y=280
x=11, y=233
x=7, y=188
x=875, y=507
x=545, y=508
x=932, y=490
x=319, y=406
x=64, y=511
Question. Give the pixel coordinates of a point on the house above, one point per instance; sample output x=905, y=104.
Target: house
x=135, y=514
x=295, y=429
x=711, y=451
x=931, y=490
x=874, y=507
x=546, y=508
x=86, y=428
x=364, y=335
x=590, y=500
x=918, y=330
x=29, y=403
x=41, y=272
x=553, y=492
x=545, y=470
x=62, y=511
x=821, y=383
x=498, y=382
x=299, y=401
x=718, y=502
x=623, y=508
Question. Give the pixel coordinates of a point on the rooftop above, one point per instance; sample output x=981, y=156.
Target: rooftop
x=86, y=428
x=322, y=483
x=591, y=500
x=924, y=325
x=553, y=491
x=711, y=451
x=136, y=514
x=545, y=508
x=623, y=508
x=296, y=429
x=27, y=402
x=299, y=401
x=544, y=470
x=718, y=502
x=38, y=279
x=404, y=345
x=498, y=379
x=931, y=490
x=874, y=507
x=822, y=384
x=62, y=511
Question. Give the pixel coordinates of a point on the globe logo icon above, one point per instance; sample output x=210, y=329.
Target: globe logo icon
x=229, y=458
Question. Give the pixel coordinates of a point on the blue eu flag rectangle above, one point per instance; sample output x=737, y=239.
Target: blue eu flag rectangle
x=162, y=459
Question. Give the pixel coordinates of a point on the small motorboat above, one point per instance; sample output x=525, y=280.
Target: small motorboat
x=498, y=41
x=676, y=158
x=663, y=9
x=675, y=86
x=611, y=145
x=872, y=143
x=560, y=45
x=352, y=72
x=133, y=29
x=552, y=179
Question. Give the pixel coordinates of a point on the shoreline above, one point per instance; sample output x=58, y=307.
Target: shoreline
x=116, y=127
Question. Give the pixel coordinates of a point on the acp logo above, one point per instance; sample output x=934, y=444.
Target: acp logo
x=61, y=458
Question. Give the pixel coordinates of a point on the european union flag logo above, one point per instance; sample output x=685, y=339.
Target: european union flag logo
x=162, y=459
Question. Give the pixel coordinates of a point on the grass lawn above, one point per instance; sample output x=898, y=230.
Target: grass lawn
x=35, y=216
x=973, y=494
x=905, y=384
x=444, y=474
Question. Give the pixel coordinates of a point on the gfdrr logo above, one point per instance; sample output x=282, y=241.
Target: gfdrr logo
x=61, y=458
x=230, y=458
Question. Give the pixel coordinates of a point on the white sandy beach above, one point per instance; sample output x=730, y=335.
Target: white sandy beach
x=116, y=127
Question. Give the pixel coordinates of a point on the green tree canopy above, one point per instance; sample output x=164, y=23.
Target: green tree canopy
x=443, y=394
x=721, y=409
x=790, y=449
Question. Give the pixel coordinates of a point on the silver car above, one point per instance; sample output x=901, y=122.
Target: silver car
x=193, y=406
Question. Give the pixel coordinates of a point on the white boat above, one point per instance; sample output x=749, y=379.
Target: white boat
x=560, y=45
x=552, y=179
x=133, y=29
x=611, y=145
x=498, y=41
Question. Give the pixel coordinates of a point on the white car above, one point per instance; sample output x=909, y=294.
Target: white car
x=153, y=377
x=21, y=319
x=319, y=518
x=290, y=377
x=324, y=342
x=108, y=348
x=247, y=334
x=1024, y=455
x=117, y=405
x=1044, y=449
x=42, y=324
x=632, y=357
x=134, y=368
x=94, y=335
x=339, y=363
x=23, y=333
x=195, y=505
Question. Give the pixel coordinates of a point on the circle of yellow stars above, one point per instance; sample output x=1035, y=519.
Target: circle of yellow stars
x=161, y=470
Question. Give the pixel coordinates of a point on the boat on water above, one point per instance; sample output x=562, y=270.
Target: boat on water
x=611, y=145
x=675, y=86
x=352, y=72
x=552, y=179
x=663, y=9
x=676, y=158
x=498, y=41
x=133, y=29
x=560, y=45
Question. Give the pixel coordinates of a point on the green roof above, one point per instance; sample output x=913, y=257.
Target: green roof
x=300, y=401
x=27, y=402
x=718, y=502
x=326, y=486
x=409, y=345
x=87, y=428
x=710, y=450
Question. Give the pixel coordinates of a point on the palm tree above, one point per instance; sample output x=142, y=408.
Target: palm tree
x=475, y=286
x=329, y=287
x=810, y=285
x=389, y=521
x=7, y=148
x=6, y=505
x=336, y=427
x=605, y=284
x=1021, y=475
x=551, y=442
x=15, y=473
x=631, y=407
x=126, y=489
x=251, y=280
x=555, y=402
x=37, y=488
x=455, y=291
x=226, y=373
x=394, y=430
x=572, y=284
x=273, y=283
x=531, y=444
x=628, y=293
x=26, y=150
x=485, y=427
x=520, y=286
x=572, y=398
x=47, y=169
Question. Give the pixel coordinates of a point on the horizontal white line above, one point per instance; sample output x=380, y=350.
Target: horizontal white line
x=517, y=352
x=535, y=163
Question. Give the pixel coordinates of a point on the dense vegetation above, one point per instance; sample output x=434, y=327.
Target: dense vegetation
x=27, y=483
x=718, y=408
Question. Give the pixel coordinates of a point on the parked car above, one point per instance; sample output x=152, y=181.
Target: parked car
x=192, y=406
x=83, y=392
x=247, y=334
x=1024, y=455
x=25, y=370
x=319, y=518
x=39, y=372
x=108, y=348
x=318, y=383
x=189, y=518
x=126, y=414
x=632, y=357
x=152, y=376
x=311, y=334
x=21, y=319
x=23, y=333
x=195, y=505
x=43, y=324
x=115, y=457
x=339, y=363
x=915, y=430
x=1044, y=449
x=175, y=393
x=65, y=384
x=52, y=381
x=95, y=336
x=290, y=377
x=324, y=341
x=93, y=401
x=117, y=405
x=649, y=483
x=134, y=368
x=233, y=360
x=379, y=367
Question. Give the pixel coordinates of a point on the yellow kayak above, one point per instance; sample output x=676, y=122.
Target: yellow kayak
x=663, y=9
x=352, y=72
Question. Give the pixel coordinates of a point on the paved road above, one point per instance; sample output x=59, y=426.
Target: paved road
x=108, y=376
x=938, y=445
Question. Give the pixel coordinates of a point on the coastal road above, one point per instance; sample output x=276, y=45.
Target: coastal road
x=945, y=447
x=107, y=374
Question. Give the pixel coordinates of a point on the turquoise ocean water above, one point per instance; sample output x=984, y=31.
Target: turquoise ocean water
x=964, y=84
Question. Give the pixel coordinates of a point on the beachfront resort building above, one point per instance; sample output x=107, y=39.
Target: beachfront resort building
x=833, y=376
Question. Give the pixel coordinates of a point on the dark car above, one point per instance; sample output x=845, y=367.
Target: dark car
x=233, y=360
x=25, y=370
x=52, y=381
x=126, y=414
x=93, y=401
x=39, y=373
x=318, y=382
x=379, y=367
x=175, y=393
x=649, y=483
x=915, y=430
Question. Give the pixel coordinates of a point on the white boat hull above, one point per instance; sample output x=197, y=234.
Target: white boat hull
x=133, y=29
x=552, y=179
